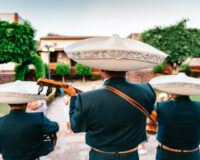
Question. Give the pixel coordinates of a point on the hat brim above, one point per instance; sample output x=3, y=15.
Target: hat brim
x=114, y=53
x=19, y=98
x=177, y=84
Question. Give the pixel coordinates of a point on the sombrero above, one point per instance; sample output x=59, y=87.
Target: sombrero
x=177, y=84
x=20, y=92
x=114, y=53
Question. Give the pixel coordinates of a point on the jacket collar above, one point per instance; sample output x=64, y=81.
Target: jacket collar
x=17, y=111
x=114, y=80
x=182, y=98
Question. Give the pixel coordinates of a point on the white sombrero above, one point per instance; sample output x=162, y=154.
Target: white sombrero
x=177, y=84
x=115, y=53
x=20, y=92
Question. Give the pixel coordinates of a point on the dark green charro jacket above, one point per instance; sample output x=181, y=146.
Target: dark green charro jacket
x=179, y=123
x=21, y=134
x=111, y=123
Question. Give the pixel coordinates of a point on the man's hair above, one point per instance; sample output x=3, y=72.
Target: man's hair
x=18, y=105
x=122, y=73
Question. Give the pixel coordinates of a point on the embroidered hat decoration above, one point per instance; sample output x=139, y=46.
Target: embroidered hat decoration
x=115, y=53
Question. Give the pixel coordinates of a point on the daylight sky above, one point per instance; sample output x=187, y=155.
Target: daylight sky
x=102, y=17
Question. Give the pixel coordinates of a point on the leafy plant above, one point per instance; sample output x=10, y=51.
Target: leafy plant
x=82, y=70
x=95, y=76
x=46, y=67
x=20, y=72
x=39, y=66
x=178, y=41
x=184, y=67
x=62, y=69
x=158, y=68
x=22, y=68
x=16, y=42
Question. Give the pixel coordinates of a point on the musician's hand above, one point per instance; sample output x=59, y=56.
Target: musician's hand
x=70, y=91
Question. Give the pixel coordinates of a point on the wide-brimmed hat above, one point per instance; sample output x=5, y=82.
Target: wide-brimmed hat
x=20, y=92
x=115, y=53
x=177, y=84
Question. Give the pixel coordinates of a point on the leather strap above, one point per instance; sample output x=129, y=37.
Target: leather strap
x=176, y=150
x=131, y=101
x=129, y=151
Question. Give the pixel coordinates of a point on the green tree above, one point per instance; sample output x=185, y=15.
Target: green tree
x=39, y=66
x=83, y=70
x=46, y=69
x=21, y=71
x=178, y=41
x=62, y=69
x=22, y=68
x=16, y=42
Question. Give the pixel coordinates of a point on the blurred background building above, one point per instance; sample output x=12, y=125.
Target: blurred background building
x=11, y=17
x=58, y=42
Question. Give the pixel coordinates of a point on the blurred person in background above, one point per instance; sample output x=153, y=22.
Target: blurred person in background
x=38, y=106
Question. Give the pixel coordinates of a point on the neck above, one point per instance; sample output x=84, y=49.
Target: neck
x=177, y=95
x=16, y=107
x=107, y=76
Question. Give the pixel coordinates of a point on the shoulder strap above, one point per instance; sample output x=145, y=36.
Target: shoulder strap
x=131, y=101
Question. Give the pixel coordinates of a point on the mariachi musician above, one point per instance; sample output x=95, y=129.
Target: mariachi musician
x=21, y=133
x=114, y=127
x=178, y=120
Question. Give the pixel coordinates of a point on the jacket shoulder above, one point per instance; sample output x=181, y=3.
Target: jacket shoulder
x=164, y=104
x=145, y=86
x=37, y=117
x=35, y=114
x=92, y=93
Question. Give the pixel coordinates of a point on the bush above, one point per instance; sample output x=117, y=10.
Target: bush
x=46, y=67
x=21, y=71
x=83, y=70
x=184, y=67
x=158, y=68
x=95, y=76
x=62, y=69
x=16, y=42
x=39, y=66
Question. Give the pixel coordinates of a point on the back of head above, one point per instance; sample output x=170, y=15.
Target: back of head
x=111, y=74
x=18, y=106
